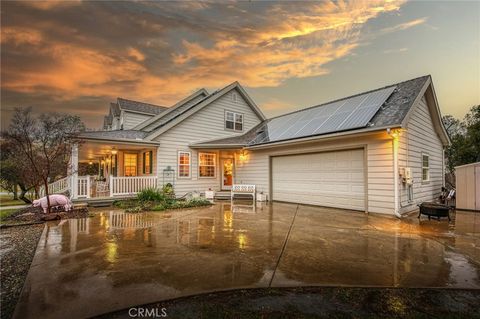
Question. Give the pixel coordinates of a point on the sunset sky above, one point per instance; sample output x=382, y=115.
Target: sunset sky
x=76, y=56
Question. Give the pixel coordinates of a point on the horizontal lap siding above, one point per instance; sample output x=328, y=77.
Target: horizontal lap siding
x=420, y=136
x=255, y=170
x=130, y=119
x=206, y=124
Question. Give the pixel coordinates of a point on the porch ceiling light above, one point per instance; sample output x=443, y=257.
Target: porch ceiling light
x=114, y=152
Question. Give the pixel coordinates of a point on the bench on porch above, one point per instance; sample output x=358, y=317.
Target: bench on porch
x=242, y=189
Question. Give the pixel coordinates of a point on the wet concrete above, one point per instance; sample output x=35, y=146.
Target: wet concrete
x=114, y=260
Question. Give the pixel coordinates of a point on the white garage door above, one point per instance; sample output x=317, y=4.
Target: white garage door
x=333, y=179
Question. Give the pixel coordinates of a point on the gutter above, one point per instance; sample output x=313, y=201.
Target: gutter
x=395, y=134
x=118, y=141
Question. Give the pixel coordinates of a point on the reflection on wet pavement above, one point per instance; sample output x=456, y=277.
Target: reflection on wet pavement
x=90, y=266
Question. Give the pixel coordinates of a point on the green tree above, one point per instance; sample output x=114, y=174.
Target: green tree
x=40, y=146
x=465, y=139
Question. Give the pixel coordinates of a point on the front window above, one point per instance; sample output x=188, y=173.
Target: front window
x=233, y=121
x=147, y=162
x=425, y=168
x=183, y=164
x=207, y=164
x=130, y=164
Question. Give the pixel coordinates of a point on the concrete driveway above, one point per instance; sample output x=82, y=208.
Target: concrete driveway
x=114, y=260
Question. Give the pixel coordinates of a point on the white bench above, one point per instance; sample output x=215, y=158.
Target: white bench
x=242, y=189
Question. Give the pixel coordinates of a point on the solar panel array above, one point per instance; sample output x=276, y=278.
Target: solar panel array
x=346, y=114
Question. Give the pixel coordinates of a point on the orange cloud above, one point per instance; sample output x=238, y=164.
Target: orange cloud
x=288, y=42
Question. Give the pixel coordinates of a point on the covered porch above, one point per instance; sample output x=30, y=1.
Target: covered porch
x=107, y=169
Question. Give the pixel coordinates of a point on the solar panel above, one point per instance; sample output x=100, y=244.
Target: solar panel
x=346, y=114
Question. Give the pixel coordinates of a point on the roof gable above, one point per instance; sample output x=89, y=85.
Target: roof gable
x=171, y=111
x=203, y=103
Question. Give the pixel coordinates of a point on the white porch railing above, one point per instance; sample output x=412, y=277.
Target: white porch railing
x=131, y=184
x=83, y=188
x=56, y=187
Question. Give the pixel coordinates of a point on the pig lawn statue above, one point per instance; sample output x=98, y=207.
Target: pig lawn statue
x=55, y=200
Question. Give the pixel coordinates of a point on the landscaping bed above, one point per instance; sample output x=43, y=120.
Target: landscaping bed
x=18, y=246
x=31, y=214
x=159, y=200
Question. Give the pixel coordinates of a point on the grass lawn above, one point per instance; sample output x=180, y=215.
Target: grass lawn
x=4, y=213
x=6, y=200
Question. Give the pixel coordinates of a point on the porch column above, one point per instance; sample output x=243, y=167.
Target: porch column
x=74, y=172
x=159, y=173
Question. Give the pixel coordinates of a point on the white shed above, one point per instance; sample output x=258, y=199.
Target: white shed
x=468, y=186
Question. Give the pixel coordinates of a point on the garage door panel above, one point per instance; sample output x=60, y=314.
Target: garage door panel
x=333, y=179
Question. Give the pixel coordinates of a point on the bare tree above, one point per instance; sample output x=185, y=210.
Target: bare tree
x=43, y=143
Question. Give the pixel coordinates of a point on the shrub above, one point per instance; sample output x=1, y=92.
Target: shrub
x=151, y=195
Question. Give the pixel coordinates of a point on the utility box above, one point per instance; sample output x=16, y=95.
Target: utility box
x=467, y=180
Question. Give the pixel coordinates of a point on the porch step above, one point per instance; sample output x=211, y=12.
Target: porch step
x=222, y=195
x=94, y=202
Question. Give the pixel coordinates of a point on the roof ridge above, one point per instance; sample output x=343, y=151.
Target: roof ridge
x=347, y=97
x=146, y=103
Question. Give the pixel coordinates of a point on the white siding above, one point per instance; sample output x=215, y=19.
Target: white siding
x=420, y=136
x=131, y=119
x=255, y=170
x=206, y=124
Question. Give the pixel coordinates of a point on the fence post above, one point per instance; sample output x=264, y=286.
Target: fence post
x=110, y=186
x=88, y=186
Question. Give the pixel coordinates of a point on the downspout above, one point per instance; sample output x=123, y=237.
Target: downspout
x=395, y=135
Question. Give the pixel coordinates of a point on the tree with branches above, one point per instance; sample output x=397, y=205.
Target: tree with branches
x=40, y=146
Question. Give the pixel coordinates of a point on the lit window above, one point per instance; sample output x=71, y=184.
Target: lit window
x=183, y=164
x=207, y=164
x=147, y=162
x=130, y=164
x=233, y=121
x=425, y=168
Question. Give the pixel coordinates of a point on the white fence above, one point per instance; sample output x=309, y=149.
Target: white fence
x=131, y=184
x=56, y=187
x=83, y=187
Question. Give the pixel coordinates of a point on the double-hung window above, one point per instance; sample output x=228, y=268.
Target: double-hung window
x=207, y=164
x=425, y=168
x=147, y=162
x=183, y=164
x=130, y=164
x=233, y=121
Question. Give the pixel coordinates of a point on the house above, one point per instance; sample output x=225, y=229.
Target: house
x=379, y=151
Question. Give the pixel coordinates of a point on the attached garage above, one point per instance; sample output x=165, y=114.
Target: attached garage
x=332, y=179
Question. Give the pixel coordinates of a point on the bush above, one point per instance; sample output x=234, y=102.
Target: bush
x=151, y=195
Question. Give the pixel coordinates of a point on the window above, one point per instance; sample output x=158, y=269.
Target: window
x=233, y=121
x=147, y=162
x=130, y=164
x=234, y=97
x=206, y=164
x=183, y=164
x=425, y=168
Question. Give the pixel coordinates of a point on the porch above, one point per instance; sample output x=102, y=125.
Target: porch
x=111, y=169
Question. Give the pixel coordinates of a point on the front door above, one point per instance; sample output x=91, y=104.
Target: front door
x=227, y=173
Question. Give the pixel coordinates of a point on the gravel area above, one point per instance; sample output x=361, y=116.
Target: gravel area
x=17, y=248
x=316, y=302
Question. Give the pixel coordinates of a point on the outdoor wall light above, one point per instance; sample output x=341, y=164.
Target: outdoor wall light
x=243, y=156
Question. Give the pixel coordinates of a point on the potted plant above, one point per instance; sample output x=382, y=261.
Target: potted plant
x=209, y=194
x=261, y=197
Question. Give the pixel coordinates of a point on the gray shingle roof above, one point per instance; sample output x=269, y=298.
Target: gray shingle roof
x=116, y=134
x=392, y=113
x=136, y=106
x=114, y=109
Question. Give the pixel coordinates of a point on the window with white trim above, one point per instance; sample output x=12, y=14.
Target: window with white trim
x=207, y=164
x=233, y=121
x=184, y=164
x=425, y=168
